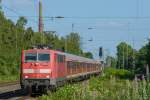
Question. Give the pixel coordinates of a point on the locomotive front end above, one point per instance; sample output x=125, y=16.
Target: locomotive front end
x=36, y=69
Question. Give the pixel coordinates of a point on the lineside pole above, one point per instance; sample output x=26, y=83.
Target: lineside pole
x=147, y=72
x=40, y=17
x=41, y=25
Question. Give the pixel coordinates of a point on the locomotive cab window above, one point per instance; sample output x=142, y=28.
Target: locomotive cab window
x=34, y=57
x=30, y=57
x=44, y=57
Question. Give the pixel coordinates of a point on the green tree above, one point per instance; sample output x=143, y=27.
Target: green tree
x=141, y=60
x=73, y=43
x=148, y=53
x=21, y=22
x=125, y=56
x=88, y=55
x=111, y=61
x=28, y=38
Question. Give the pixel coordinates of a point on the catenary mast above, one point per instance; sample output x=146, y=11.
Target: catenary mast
x=40, y=17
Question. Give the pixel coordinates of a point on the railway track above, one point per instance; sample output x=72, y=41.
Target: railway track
x=7, y=86
x=12, y=91
x=8, y=83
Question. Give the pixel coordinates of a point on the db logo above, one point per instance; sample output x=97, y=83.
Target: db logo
x=36, y=71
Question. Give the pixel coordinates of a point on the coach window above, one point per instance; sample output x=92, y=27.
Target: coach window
x=70, y=64
x=82, y=64
x=88, y=65
x=74, y=65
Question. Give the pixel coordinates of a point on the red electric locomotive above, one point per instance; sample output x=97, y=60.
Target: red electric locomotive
x=43, y=69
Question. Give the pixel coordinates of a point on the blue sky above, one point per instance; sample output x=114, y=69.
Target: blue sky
x=112, y=21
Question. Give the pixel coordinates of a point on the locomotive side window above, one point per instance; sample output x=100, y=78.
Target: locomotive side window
x=30, y=57
x=60, y=58
x=43, y=57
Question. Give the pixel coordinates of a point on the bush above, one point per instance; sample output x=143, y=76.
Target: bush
x=119, y=73
x=68, y=92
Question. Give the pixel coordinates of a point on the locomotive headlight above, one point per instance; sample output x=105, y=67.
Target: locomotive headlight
x=47, y=76
x=26, y=76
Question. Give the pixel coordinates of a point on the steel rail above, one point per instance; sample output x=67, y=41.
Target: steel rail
x=4, y=84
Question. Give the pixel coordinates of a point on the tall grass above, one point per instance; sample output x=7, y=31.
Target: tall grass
x=114, y=85
x=103, y=88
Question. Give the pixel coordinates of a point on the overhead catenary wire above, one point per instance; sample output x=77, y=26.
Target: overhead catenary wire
x=87, y=17
x=17, y=13
x=45, y=18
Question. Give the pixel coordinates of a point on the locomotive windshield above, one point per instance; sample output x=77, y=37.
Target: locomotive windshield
x=30, y=57
x=43, y=57
x=33, y=57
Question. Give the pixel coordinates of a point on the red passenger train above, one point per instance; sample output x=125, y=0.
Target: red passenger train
x=48, y=69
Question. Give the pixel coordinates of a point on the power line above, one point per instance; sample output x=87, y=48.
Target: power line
x=138, y=8
x=112, y=41
x=12, y=10
x=78, y=17
x=16, y=12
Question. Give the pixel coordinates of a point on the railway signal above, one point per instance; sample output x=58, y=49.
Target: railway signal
x=101, y=52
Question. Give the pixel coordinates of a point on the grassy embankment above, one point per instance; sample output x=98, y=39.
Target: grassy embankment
x=114, y=85
x=8, y=78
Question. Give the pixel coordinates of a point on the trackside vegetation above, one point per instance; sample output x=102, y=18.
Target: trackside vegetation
x=6, y=78
x=118, y=73
x=131, y=59
x=107, y=87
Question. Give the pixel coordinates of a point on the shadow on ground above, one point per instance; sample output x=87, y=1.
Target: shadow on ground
x=13, y=94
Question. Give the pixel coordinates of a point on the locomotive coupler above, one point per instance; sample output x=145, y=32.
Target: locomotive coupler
x=36, y=87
